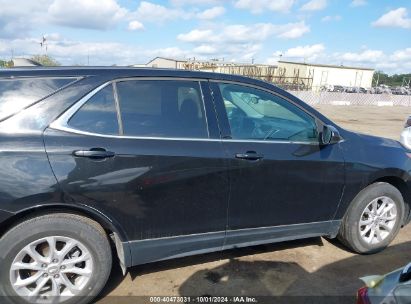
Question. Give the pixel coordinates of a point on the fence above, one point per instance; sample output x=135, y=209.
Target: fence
x=357, y=99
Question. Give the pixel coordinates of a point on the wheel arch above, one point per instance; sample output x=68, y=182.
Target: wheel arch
x=402, y=186
x=113, y=229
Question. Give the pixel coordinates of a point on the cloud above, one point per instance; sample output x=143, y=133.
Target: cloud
x=394, y=18
x=367, y=56
x=135, y=25
x=402, y=55
x=205, y=50
x=157, y=13
x=18, y=18
x=314, y=5
x=211, y=13
x=331, y=18
x=307, y=51
x=357, y=3
x=196, y=2
x=261, y=5
x=293, y=30
x=72, y=52
x=239, y=33
x=90, y=14
x=299, y=53
x=197, y=36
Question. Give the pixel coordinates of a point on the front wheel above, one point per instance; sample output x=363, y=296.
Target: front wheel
x=56, y=258
x=373, y=219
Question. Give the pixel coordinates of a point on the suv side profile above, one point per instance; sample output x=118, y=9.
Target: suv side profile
x=162, y=164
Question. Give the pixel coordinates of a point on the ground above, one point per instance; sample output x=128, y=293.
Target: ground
x=312, y=267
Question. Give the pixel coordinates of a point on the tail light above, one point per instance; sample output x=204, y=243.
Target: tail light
x=362, y=296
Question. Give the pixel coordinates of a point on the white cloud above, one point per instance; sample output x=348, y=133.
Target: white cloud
x=260, y=6
x=211, y=13
x=307, y=51
x=196, y=36
x=300, y=53
x=239, y=33
x=205, y=50
x=92, y=14
x=314, y=5
x=293, y=30
x=157, y=13
x=364, y=56
x=357, y=3
x=402, y=55
x=394, y=18
x=196, y=2
x=18, y=18
x=135, y=25
x=331, y=18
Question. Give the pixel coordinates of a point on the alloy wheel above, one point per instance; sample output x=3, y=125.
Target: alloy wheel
x=51, y=270
x=378, y=220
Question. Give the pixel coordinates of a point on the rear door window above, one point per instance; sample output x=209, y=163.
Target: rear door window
x=17, y=94
x=98, y=114
x=162, y=108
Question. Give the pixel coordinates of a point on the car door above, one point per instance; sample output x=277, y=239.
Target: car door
x=145, y=153
x=281, y=177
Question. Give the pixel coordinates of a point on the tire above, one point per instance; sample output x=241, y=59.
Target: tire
x=364, y=239
x=76, y=238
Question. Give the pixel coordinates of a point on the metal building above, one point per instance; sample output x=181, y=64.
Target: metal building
x=323, y=75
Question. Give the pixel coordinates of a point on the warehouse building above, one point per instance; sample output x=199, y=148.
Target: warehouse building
x=290, y=75
x=323, y=75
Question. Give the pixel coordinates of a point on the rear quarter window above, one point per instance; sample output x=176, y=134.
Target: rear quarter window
x=17, y=94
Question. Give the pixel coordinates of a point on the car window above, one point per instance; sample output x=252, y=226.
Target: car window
x=98, y=114
x=17, y=94
x=162, y=108
x=258, y=115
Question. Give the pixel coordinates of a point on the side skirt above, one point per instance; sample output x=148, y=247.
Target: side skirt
x=152, y=250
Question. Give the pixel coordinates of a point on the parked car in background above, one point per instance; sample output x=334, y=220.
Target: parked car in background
x=400, y=91
x=355, y=90
x=338, y=88
x=406, y=134
x=392, y=288
x=383, y=89
x=154, y=164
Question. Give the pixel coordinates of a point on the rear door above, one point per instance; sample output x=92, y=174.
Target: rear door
x=146, y=153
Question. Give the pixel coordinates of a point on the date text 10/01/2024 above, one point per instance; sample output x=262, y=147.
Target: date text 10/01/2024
x=203, y=299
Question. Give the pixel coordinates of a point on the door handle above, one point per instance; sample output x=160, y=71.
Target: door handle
x=94, y=153
x=249, y=155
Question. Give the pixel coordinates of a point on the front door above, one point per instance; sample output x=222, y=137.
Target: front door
x=280, y=175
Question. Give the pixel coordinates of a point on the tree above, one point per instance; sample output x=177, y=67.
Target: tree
x=5, y=63
x=393, y=80
x=45, y=60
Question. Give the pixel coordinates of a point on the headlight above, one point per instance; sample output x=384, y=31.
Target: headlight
x=406, y=138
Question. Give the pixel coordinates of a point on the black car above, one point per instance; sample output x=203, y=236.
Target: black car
x=161, y=164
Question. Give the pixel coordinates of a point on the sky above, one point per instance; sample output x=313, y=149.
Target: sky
x=368, y=33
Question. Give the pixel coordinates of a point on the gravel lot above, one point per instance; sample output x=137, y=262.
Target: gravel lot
x=312, y=267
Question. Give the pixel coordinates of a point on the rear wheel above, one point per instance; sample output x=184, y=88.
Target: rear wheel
x=53, y=259
x=373, y=218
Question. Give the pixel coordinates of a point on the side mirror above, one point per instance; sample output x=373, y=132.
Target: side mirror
x=330, y=135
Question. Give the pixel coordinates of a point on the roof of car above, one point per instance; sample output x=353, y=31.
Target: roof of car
x=118, y=72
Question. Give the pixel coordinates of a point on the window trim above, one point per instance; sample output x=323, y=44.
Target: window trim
x=220, y=99
x=61, y=123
